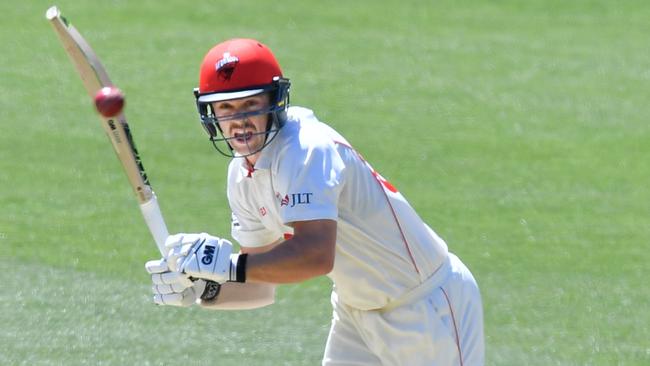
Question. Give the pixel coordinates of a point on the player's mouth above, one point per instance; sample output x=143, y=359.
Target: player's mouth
x=243, y=137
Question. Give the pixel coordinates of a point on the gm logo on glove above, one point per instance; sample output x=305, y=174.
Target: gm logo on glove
x=208, y=253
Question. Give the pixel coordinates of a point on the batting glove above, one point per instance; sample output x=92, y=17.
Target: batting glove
x=203, y=256
x=172, y=288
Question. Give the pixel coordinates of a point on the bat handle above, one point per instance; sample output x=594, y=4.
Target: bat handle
x=156, y=223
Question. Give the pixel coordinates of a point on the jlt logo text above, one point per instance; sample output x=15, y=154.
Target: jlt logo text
x=296, y=199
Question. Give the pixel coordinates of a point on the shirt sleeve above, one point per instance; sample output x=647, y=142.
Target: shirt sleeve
x=249, y=232
x=245, y=227
x=309, y=180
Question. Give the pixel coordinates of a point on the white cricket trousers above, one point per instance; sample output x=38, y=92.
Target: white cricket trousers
x=440, y=323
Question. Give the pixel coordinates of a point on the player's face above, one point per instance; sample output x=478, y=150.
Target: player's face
x=246, y=133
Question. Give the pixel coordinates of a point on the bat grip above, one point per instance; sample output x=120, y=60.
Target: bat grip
x=156, y=223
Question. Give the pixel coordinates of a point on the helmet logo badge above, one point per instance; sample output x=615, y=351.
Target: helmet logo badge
x=226, y=66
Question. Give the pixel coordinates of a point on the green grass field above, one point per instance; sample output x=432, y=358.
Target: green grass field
x=518, y=129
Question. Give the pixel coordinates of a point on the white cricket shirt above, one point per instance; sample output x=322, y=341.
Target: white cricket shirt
x=311, y=172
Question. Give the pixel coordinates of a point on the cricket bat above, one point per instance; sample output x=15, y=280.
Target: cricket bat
x=95, y=77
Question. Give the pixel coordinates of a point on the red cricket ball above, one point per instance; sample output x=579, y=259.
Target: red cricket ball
x=109, y=101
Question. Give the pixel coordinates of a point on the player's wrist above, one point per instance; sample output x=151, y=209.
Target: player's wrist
x=238, y=267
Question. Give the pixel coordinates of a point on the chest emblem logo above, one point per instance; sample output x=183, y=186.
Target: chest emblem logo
x=295, y=199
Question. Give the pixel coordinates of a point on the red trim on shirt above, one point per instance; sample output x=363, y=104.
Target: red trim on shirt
x=250, y=168
x=453, y=319
x=383, y=188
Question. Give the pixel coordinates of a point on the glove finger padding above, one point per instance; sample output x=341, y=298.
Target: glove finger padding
x=181, y=292
x=175, y=255
x=199, y=287
x=168, y=278
x=156, y=266
x=175, y=240
x=181, y=239
x=169, y=289
x=172, y=288
x=180, y=244
x=176, y=299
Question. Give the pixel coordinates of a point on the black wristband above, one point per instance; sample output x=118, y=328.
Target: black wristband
x=241, y=268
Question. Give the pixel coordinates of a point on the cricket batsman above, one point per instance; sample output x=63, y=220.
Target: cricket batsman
x=305, y=203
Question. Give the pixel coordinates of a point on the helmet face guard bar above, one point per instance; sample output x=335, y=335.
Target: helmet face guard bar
x=277, y=112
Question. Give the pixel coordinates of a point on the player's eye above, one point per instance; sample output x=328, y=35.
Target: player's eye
x=224, y=106
x=252, y=104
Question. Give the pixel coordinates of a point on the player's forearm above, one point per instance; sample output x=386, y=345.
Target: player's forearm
x=308, y=254
x=242, y=296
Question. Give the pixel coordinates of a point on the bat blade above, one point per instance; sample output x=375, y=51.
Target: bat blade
x=85, y=60
x=94, y=77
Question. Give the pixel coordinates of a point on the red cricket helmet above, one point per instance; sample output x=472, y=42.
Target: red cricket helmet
x=240, y=68
x=236, y=68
